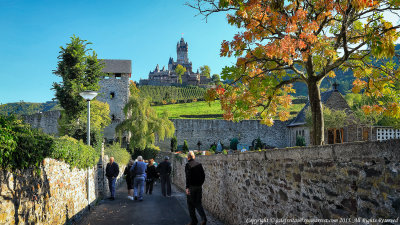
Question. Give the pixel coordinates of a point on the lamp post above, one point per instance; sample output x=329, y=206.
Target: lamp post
x=88, y=96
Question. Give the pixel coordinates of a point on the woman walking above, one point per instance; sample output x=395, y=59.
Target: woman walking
x=129, y=180
x=151, y=176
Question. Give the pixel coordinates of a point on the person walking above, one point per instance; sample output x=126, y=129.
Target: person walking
x=128, y=178
x=112, y=171
x=194, y=180
x=151, y=175
x=164, y=170
x=138, y=171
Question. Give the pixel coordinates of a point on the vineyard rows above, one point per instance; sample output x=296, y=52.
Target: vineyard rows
x=171, y=94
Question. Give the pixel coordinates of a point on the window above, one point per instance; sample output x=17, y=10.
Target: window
x=112, y=117
x=112, y=95
x=118, y=76
x=335, y=136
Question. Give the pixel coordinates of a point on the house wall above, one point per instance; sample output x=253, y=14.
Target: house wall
x=298, y=129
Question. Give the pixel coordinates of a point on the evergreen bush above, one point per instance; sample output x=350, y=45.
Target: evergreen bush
x=233, y=144
x=185, y=148
x=300, y=141
x=174, y=144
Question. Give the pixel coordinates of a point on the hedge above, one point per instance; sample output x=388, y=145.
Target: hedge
x=22, y=147
x=74, y=152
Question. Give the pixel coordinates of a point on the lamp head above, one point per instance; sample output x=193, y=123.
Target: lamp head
x=88, y=95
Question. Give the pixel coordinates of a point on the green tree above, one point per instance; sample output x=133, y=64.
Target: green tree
x=142, y=122
x=99, y=119
x=283, y=42
x=216, y=79
x=332, y=118
x=180, y=70
x=80, y=70
x=205, y=71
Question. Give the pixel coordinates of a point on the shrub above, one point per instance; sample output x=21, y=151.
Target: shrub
x=174, y=144
x=300, y=141
x=234, y=143
x=257, y=143
x=213, y=148
x=74, y=152
x=185, y=148
x=20, y=146
x=121, y=155
x=150, y=152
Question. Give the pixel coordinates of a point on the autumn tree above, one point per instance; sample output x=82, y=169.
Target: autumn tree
x=142, y=123
x=282, y=42
x=205, y=71
x=180, y=70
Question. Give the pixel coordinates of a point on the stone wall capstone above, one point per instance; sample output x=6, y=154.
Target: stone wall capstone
x=352, y=180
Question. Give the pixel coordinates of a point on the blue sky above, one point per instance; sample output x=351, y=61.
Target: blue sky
x=145, y=32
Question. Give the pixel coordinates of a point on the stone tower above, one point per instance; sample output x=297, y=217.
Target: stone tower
x=114, y=89
x=182, y=52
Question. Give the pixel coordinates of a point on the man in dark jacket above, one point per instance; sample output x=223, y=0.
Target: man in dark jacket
x=194, y=180
x=164, y=169
x=112, y=171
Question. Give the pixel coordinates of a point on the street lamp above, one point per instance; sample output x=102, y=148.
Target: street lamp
x=88, y=96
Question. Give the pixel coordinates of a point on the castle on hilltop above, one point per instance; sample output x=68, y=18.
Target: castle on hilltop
x=167, y=77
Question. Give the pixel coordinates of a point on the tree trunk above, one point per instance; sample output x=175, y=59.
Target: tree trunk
x=316, y=111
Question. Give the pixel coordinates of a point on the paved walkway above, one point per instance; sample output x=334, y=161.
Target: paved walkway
x=153, y=210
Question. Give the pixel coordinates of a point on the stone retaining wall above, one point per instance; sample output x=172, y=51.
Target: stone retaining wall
x=210, y=131
x=333, y=182
x=56, y=196
x=46, y=121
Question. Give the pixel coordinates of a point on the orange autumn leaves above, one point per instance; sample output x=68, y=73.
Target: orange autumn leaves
x=282, y=41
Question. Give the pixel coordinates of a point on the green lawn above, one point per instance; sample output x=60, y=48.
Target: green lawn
x=178, y=111
x=202, y=110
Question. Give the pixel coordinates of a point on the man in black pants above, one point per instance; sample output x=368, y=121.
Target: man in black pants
x=164, y=169
x=112, y=171
x=194, y=180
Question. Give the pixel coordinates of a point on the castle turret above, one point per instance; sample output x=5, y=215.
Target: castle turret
x=115, y=91
x=182, y=52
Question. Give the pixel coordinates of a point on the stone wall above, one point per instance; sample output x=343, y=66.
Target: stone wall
x=210, y=131
x=46, y=121
x=56, y=196
x=322, y=182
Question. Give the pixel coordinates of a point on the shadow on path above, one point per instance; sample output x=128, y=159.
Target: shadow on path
x=153, y=210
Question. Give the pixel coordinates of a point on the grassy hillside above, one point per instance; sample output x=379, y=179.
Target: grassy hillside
x=27, y=108
x=201, y=110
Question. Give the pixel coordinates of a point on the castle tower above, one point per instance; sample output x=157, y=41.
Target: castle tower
x=182, y=52
x=114, y=89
